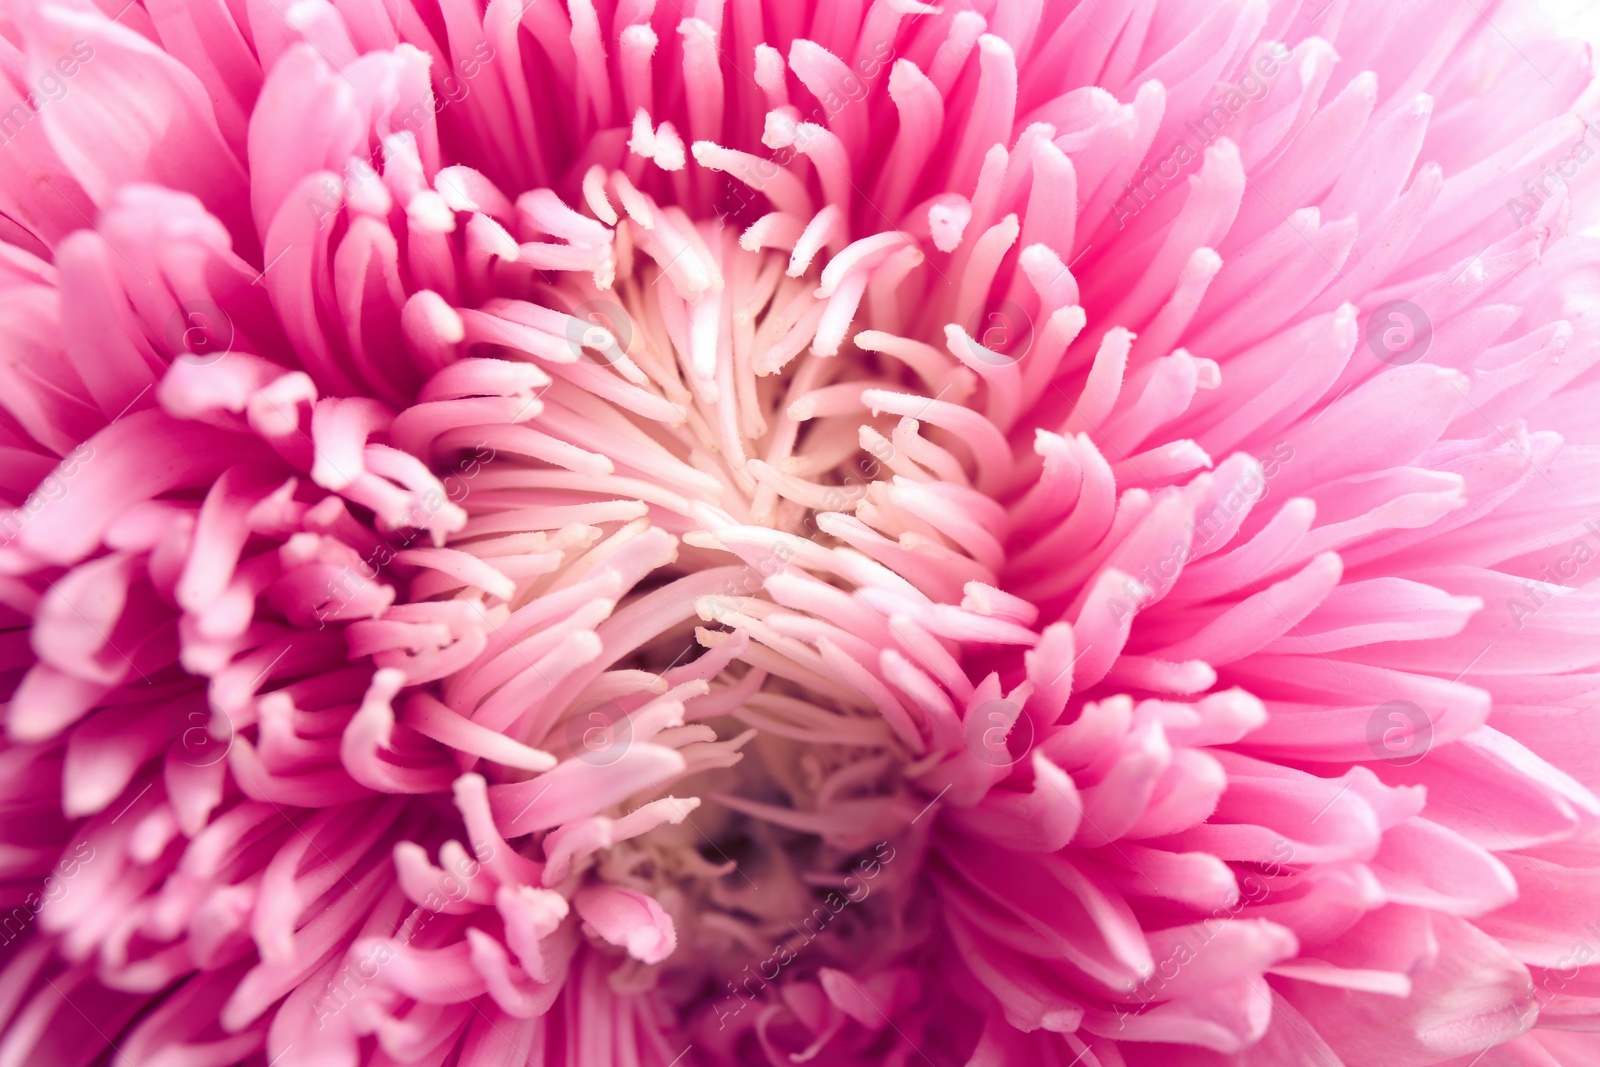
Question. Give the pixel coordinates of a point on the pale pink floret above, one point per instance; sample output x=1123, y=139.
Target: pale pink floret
x=781, y=533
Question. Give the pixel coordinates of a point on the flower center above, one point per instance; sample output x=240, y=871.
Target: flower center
x=697, y=438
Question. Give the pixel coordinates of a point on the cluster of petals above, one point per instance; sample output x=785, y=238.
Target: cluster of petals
x=611, y=533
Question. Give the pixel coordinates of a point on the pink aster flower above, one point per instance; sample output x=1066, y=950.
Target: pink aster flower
x=1003, y=533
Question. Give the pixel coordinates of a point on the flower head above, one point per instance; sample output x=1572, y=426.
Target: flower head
x=754, y=533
